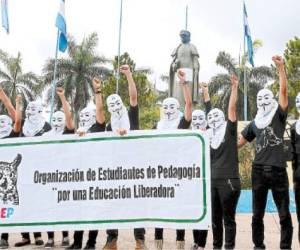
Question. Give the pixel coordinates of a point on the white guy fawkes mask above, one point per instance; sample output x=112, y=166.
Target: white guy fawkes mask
x=34, y=121
x=58, y=123
x=217, y=124
x=215, y=118
x=298, y=109
x=5, y=126
x=266, y=108
x=199, y=120
x=170, y=107
x=119, y=116
x=87, y=118
x=171, y=114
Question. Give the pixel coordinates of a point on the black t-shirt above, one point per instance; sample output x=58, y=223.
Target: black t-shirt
x=46, y=128
x=133, y=114
x=68, y=131
x=269, y=141
x=224, y=159
x=12, y=135
x=295, y=142
x=97, y=127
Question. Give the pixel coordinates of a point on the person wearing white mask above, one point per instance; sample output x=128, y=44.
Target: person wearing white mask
x=90, y=121
x=171, y=119
x=269, y=165
x=199, y=122
x=9, y=131
x=225, y=182
x=121, y=121
x=295, y=142
x=34, y=125
x=61, y=123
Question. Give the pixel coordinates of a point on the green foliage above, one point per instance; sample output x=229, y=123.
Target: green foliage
x=246, y=156
x=149, y=113
x=75, y=72
x=220, y=85
x=14, y=81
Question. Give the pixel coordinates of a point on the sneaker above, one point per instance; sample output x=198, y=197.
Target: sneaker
x=23, y=243
x=140, y=245
x=39, y=241
x=50, y=243
x=159, y=244
x=262, y=246
x=111, y=245
x=179, y=245
x=3, y=244
x=65, y=242
x=194, y=247
x=74, y=246
x=88, y=246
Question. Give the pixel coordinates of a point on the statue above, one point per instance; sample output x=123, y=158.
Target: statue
x=185, y=57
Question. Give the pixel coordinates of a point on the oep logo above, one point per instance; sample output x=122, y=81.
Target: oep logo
x=6, y=213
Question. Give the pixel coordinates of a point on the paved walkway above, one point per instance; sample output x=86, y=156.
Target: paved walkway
x=126, y=241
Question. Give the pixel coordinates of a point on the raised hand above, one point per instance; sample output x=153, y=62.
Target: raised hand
x=60, y=91
x=18, y=99
x=125, y=69
x=234, y=81
x=181, y=76
x=278, y=60
x=97, y=85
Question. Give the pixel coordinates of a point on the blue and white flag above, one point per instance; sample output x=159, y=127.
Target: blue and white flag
x=4, y=14
x=62, y=27
x=247, y=35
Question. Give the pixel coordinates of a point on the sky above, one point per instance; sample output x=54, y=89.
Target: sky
x=151, y=29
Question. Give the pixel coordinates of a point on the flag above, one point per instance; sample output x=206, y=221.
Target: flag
x=62, y=27
x=248, y=38
x=4, y=14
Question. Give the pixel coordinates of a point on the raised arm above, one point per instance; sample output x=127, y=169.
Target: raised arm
x=283, y=92
x=187, y=96
x=206, y=97
x=66, y=107
x=8, y=105
x=97, y=85
x=233, y=99
x=18, y=118
x=125, y=69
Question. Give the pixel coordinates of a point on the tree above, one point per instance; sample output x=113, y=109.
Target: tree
x=292, y=62
x=14, y=81
x=149, y=112
x=75, y=72
x=220, y=85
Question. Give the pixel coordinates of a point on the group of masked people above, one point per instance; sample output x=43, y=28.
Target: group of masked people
x=268, y=171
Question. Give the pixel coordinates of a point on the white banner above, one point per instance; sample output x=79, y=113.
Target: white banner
x=105, y=181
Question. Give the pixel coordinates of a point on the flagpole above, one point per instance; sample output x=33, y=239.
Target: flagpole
x=54, y=79
x=119, y=46
x=245, y=73
x=186, y=16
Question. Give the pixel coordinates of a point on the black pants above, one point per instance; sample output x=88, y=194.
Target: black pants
x=297, y=200
x=78, y=236
x=4, y=236
x=159, y=234
x=225, y=194
x=27, y=236
x=51, y=234
x=200, y=237
x=263, y=179
x=139, y=234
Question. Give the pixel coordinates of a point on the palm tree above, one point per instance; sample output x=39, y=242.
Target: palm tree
x=220, y=85
x=14, y=81
x=76, y=71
